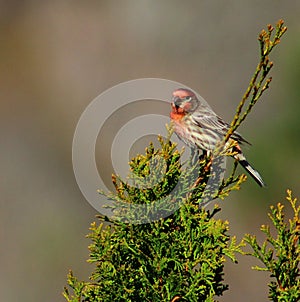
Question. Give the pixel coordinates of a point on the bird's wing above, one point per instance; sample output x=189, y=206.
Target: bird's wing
x=211, y=121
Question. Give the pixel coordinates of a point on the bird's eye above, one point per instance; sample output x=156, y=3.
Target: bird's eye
x=188, y=98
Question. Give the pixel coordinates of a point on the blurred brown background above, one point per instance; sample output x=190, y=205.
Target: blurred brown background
x=56, y=56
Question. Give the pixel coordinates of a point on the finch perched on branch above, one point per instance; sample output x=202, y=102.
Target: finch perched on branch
x=197, y=125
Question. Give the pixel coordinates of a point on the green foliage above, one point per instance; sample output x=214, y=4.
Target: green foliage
x=280, y=253
x=181, y=255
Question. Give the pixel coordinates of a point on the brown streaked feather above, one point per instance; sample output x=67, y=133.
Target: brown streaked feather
x=213, y=122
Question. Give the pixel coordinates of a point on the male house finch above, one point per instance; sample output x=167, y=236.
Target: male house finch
x=197, y=125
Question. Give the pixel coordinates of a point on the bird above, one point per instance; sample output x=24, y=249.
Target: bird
x=198, y=126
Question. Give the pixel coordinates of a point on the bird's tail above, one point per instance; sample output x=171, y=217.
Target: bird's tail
x=255, y=175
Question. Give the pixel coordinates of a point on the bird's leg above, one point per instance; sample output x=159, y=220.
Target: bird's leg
x=198, y=155
x=195, y=155
x=204, y=154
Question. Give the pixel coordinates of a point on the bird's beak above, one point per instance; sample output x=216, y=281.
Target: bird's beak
x=177, y=101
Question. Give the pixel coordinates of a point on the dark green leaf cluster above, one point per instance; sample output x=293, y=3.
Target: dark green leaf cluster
x=182, y=255
x=280, y=254
x=172, y=183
